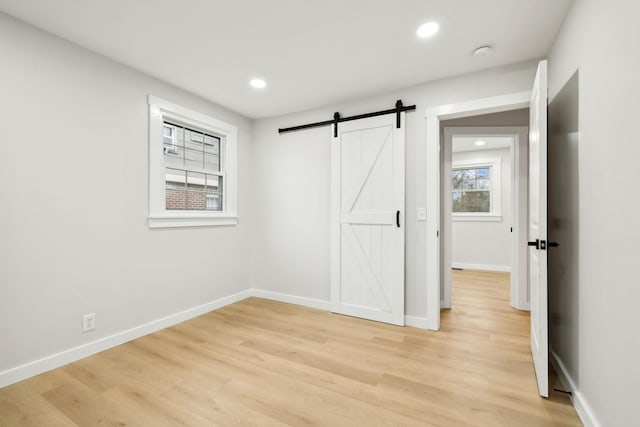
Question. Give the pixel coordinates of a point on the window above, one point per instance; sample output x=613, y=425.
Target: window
x=471, y=190
x=188, y=185
x=475, y=189
x=192, y=168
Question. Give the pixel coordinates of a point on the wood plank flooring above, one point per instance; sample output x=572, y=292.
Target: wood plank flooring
x=264, y=363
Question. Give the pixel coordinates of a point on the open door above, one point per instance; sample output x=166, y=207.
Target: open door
x=538, y=228
x=367, y=215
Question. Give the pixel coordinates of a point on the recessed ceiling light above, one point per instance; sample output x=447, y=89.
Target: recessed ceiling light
x=479, y=143
x=427, y=30
x=258, y=83
x=483, y=51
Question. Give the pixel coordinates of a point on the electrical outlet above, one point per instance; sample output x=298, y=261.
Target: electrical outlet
x=422, y=214
x=88, y=322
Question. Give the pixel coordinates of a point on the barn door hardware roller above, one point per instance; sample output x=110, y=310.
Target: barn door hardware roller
x=337, y=119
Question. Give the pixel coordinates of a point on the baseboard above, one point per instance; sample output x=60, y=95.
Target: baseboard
x=485, y=267
x=292, y=299
x=413, y=321
x=71, y=355
x=582, y=407
x=53, y=361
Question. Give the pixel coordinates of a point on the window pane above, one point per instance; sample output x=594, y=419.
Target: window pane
x=172, y=157
x=212, y=162
x=456, y=179
x=469, y=173
x=483, y=184
x=195, y=137
x=175, y=189
x=179, y=137
x=196, y=193
x=213, y=202
x=192, y=157
x=193, y=140
x=482, y=173
x=173, y=152
x=214, y=193
x=214, y=183
x=212, y=153
x=473, y=201
x=469, y=184
x=211, y=144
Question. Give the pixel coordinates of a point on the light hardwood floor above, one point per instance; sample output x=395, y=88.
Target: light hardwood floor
x=263, y=363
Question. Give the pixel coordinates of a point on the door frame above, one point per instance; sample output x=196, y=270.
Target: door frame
x=519, y=149
x=434, y=115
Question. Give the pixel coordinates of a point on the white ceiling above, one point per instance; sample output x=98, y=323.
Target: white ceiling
x=468, y=143
x=311, y=53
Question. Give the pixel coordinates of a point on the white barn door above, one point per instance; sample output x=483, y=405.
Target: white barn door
x=367, y=219
x=538, y=228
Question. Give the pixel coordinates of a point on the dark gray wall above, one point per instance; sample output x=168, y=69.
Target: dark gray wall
x=563, y=225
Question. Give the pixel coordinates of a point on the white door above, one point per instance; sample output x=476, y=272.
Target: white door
x=367, y=216
x=538, y=228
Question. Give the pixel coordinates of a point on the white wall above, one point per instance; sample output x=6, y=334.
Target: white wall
x=601, y=40
x=73, y=132
x=291, y=250
x=485, y=244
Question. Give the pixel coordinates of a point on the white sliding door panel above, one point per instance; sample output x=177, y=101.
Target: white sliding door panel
x=538, y=228
x=367, y=258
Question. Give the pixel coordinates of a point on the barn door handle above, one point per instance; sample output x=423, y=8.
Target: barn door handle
x=536, y=243
x=398, y=218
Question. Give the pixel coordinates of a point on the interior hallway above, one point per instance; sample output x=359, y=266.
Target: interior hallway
x=260, y=362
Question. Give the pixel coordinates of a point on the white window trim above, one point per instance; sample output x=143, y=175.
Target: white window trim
x=161, y=110
x=494, y=165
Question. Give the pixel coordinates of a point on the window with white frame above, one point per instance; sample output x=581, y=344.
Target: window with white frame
x=475, y=188
x=192, y=168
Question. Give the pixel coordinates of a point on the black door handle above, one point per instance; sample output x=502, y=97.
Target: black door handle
x=398, y=218
x=553, y=244
x=536, y=243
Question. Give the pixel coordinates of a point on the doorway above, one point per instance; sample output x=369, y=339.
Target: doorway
x=484, y=202
x=435, y=116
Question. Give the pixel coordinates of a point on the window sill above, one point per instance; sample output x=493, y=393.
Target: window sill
x=179, y=221
x=487, y=217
